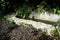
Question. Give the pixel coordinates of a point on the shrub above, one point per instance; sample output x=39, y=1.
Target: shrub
x=23, y=12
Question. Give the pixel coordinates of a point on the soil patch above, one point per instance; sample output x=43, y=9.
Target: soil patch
x=14, y=32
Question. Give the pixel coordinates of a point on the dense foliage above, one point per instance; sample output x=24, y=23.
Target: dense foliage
x=7, y=6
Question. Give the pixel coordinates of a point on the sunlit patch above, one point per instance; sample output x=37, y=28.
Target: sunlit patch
x=38, y=25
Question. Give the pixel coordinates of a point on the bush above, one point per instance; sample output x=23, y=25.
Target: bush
x=23, y=12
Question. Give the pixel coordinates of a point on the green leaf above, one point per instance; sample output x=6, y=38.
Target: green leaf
x=58, y=11
x=11, y=21
x=5, y=17
x=54, y=10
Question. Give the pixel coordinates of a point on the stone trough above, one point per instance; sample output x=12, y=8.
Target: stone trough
x=46, y=16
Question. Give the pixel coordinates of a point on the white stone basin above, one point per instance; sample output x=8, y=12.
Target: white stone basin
x=45, y=16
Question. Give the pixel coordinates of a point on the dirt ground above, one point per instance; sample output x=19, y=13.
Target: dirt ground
x=14, y=32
